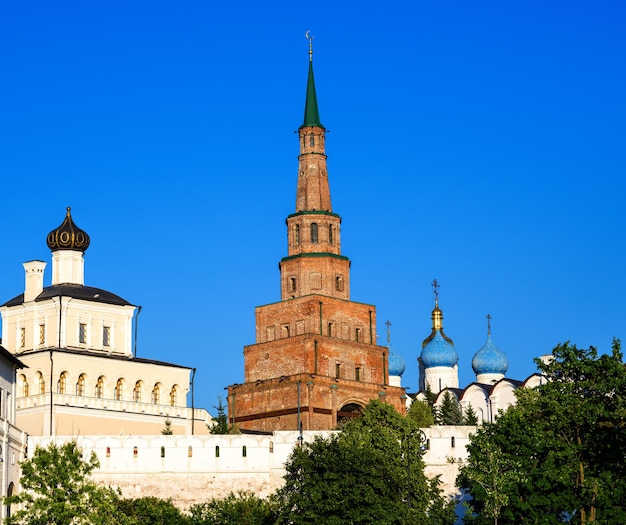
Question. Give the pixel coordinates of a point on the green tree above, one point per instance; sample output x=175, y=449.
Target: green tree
x=469, y=416
x=167, y=429
x=221, y=419
x=56, y=487
x=243, y=508
x=152, y=511
x=370, y=473
x=566, y=442
x=449, y=412
x=421, y=412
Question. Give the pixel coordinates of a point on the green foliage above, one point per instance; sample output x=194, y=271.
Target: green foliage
x=152, y=511
x=56, y=488
x=243, y=508
x=370, y=473
x=167, y=430
x=422, y=413
x=449, y=412
x=560, y=451
x=469, y=416
x=221, y=419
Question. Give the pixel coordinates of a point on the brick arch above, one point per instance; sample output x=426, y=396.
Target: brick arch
x=349, y=411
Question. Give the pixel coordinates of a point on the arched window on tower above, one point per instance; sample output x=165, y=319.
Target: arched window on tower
x=156, y=394
x=330, y=234
x=314, y=233
x=137, y=392
x=41, y=383
x=311, y=139
x=339, y=283
x=173, y=396
x=100, y=387
x=119, y=390
x=292, y=284
x=80, y=385
x=62, y=384
x=297, y=234
x=25, y=389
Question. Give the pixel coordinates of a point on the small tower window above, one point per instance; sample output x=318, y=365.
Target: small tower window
x=338, y=370
x=311, y=139
x=100, y=387
x=80, y=385
x=297, y=234
x=330, y=329
x=22, y=337
x=452, y=442
x=189, y=452
x=82, y=333
x=244, y=452
x=358, y=335
x=330, y=234
x=25, y=390
x=339, y=283
x=162, y=452
x=135, y=452
x=217, y=451
x=42, y=334
x=292, y=284
x=314, y=233
x=106, y=336
x=108, y=452
x=357, y=374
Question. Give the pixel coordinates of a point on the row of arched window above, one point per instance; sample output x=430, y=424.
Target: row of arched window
x=314, y=233
x=138, y=390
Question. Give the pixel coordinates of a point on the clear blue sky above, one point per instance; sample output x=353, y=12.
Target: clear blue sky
x=479, y=143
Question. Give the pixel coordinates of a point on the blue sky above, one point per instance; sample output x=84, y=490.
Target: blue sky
x=479, y=143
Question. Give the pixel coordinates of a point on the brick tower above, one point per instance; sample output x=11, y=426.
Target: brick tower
x=315, y=362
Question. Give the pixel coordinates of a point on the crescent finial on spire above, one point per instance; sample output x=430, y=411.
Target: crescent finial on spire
x=310, y=39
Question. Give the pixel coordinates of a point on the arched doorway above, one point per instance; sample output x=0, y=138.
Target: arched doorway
x=348, y=412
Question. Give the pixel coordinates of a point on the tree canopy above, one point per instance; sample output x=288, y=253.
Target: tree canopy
x=558, y=455
x=56, y=487
x=370, y=473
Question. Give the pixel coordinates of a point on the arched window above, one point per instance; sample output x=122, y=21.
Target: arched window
x=297, y=234
x=452, y=442
x=9, y=493
x=189, y=452
x=292, y=284
x=118, y=393
x=330, y=234
x=137, y=392
x=135, y=452
x=217, y=451
x=311, y=139
x=156, y=394
x=173, y=396
x=314, y=233
x=80, y=385
x=100, y=387
x=162, y=452
x=41, y=383
x=25, y=389
x=62, y=385
x=339, y=283
x=244, y=452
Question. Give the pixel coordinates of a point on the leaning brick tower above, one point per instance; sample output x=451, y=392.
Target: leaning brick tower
x=315, y=362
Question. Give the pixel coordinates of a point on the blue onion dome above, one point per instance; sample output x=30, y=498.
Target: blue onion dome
x=490, y=359
x=68, y=236
x=396, y=363
x=438, y=351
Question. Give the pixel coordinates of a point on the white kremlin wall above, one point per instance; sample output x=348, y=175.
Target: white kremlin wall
x=194, y=469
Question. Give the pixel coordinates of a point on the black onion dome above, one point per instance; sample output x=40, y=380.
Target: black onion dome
x=68, y=236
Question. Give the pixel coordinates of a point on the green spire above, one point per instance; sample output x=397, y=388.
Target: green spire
x=311, y=113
